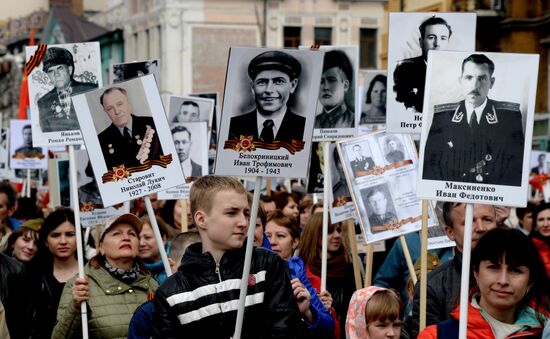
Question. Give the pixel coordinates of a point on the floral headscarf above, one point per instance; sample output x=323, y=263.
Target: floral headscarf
x=356, y=326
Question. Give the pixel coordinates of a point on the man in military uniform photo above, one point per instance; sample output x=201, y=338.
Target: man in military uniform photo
x=274, y=77
x=477, y=140
x=380, y=213
x=336, y=81
x=361, y=162
x=410, y=74
x=27, y=150
x=55, y=108
x=129, y=140
x=189, y=112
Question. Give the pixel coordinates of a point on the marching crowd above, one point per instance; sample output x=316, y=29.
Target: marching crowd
x=128, y=292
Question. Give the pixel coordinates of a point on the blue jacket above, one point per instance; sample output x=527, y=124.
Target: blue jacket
x=324, y=323
x=394, y=272
x=140, y=325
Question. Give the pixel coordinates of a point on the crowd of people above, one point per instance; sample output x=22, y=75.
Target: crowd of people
x=128, y=292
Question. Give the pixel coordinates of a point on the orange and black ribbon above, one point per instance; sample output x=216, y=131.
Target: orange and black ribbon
x=121, y=172
x=246, y=143
x=380, y=170
x=394, y=224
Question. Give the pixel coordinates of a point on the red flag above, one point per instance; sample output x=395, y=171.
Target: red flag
x=24, y=90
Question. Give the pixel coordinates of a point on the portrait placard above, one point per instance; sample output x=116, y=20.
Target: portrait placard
x=23, y=154
x=190, y=139
x=185, y=109
x=410, y=37
x=59, y=182
x=337, y=111
x=381, y=168
x=213, y=127
x=128, y=140
x=373, y=103
x=339, y=197
x=126, y=71
x=60, y=71
x=478, y=127
x=268, y=112
x=92, y=211
x=315, y=182
x=4, y=162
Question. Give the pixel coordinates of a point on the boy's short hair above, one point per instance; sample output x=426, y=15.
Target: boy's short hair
x=206, y=187
x=180, y=243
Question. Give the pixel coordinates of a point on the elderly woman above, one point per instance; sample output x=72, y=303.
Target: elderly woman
x=116, y=283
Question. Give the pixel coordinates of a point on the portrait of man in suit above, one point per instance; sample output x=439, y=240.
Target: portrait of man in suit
x=129, y=140
x=381, y=213
x=273, y=77
x=478, y=139
x=361, y=161
x=183, y=143
x=541, y=165
x=55, y=108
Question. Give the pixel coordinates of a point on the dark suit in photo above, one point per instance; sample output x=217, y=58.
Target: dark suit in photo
x=118, y=151
x=362, y=164
x=51, y=115
x=196, y=169
x=292, y=127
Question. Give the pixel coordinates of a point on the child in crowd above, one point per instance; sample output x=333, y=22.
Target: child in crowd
x=201, y=299
x=374, y=313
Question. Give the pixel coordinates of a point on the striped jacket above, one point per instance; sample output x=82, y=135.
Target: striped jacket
x=201, y=299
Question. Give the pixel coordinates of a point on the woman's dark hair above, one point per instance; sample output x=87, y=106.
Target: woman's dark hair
x=53, y=220
x=281, y=199
x=282, y=220
x=12, y=238
x=378, y=78
x=167, y=212
x=538, y=209
x=164, y=228
x=504, y=244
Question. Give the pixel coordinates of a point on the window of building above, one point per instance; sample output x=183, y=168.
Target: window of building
x=291, y=36
x=367, y=48
x=323, y=35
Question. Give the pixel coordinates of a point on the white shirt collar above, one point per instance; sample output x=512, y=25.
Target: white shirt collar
x=129, y=125
x=479, y=110
x=277, y=121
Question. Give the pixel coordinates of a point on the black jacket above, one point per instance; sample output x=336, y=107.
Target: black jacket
x=10, y=279
x=442, y=294
x=200, y=300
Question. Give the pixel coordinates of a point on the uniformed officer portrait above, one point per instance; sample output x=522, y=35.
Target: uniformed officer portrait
x=274, y=77
x=478, y=139
x=410, y=74
x=129, y=140
x=380, y=207
x=55, y=109
x=361, y=161
x=336, y=84
x=27, y=150
x=393, y=149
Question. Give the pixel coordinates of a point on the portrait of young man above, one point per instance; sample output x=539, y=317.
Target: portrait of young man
x=360, y=162
x=274, y=76
x=478, y=139
x=55, y=109
x=27, y=150
x=184, y=144
x=381, y=212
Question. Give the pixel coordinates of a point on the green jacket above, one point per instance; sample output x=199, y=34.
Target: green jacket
x=110, y=306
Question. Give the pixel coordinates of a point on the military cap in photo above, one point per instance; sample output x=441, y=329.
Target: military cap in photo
x=57, y=56
x=275, y=60
x=338, y=58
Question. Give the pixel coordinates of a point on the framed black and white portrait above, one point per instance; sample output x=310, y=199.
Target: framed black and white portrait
x=268, y=112
x=128, y=140
x=126, y=71
x=186, y=109
x=373, y=103
x=23, y=153
x=410, y=37
x=478, y=126
x=59, y=72
x=337, y=112
x=214, y=127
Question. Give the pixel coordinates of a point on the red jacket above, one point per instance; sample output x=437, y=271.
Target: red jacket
x=544, y=251
x=478, y=327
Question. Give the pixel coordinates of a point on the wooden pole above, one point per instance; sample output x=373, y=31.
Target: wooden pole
x=423, y=265
x=183, y=207
x=408, y=259
x=158, y=236
x=354, y=254
x=248, y=257
x=326, y=187
x=78, y=229
x=368, y=264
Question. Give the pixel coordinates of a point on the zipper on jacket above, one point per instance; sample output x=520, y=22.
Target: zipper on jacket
x=218, y=271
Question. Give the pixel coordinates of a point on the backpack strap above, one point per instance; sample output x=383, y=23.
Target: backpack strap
x=448, y=329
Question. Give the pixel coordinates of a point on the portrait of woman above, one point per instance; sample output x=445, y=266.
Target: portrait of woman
x=374, y=108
